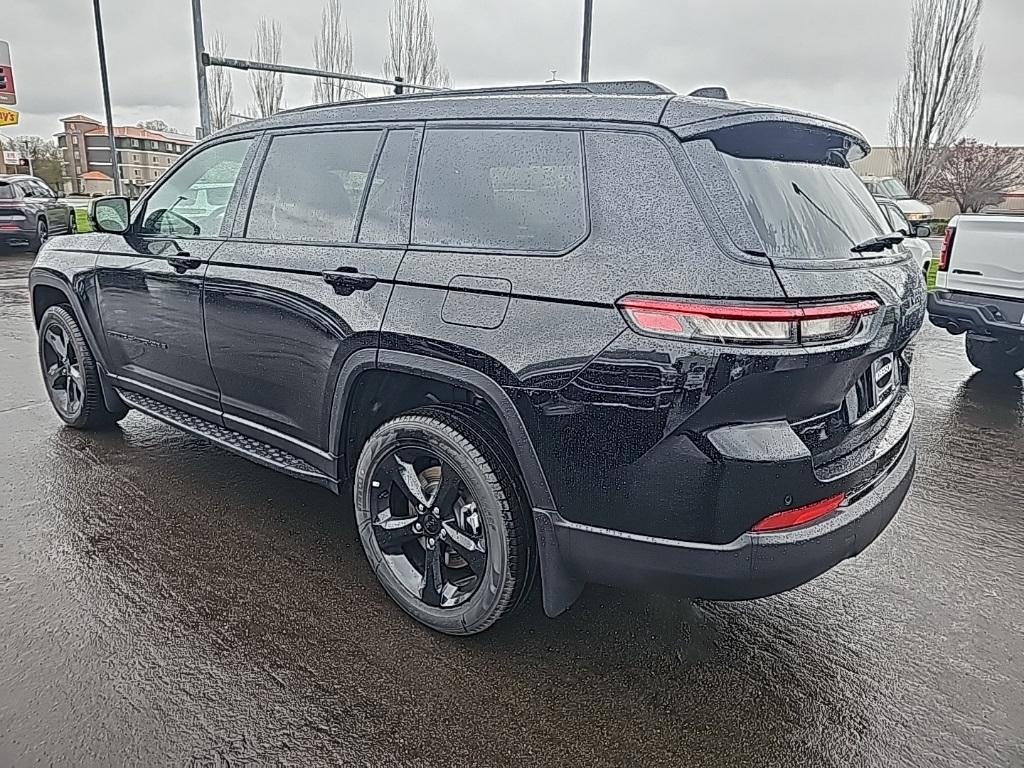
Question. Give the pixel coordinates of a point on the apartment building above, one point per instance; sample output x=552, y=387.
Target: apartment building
x=142, y=155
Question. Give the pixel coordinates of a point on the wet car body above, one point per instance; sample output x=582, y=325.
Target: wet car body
x=646, y=460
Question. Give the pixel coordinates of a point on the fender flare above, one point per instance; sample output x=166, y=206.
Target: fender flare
x=39, y=276
x=448, y=372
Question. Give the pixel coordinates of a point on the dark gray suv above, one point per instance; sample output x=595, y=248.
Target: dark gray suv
x=30, y=212
x=575, y=333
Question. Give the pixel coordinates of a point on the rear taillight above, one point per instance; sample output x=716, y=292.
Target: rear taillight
x=769, y=324
x=791, y=518
x=947, y=249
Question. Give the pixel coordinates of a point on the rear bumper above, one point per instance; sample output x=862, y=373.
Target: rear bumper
x=989, y=315
x=752, y=566
x=16, y=238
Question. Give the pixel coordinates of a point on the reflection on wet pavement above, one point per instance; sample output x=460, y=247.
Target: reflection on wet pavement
x=163, y=602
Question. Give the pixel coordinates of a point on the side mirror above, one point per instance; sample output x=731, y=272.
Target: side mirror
x=922, y=230
x=109, y=214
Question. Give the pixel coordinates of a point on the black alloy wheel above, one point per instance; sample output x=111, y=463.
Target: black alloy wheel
x=435, y=543
x=441, y=520
x=63, y=371
x=70, y=373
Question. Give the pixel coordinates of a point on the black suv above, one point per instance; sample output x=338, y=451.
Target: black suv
x=30, y=212
x=597, y=333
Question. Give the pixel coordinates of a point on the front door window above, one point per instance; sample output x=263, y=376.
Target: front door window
x=194, y=198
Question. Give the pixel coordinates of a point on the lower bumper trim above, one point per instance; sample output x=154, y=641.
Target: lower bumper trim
x=751, y=566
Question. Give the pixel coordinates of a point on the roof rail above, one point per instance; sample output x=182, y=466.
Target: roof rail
x=608, y=88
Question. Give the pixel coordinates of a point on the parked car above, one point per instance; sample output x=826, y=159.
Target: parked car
x=913, y=234
x=891, y=187
x=567, y=333
x=980, y=289
x=30, y=212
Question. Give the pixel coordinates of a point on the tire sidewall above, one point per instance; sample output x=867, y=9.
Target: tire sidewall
x=41, y=236
x=59, y=316
x=490, y=596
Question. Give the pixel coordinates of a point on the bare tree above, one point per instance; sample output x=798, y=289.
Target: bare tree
x=221, y=89
x=940, y=88
x=267, y=87
x=975, y=175
x=332, y=51
x=413, y=53
x=156, y=125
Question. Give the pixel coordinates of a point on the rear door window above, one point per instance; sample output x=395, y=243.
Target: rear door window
x=797, y=188
x=500, y=189
x=311, y=186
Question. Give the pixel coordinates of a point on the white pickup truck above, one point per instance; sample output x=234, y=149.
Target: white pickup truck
x=979, y=289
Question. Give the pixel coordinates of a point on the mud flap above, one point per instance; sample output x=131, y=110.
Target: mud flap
x=559, y=588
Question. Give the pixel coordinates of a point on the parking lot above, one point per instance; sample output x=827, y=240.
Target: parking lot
x=164, y=602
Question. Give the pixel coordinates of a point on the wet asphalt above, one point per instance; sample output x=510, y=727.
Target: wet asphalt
x=165, y=603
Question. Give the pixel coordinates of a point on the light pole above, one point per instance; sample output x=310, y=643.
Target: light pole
x=28, y=156
x=205, y=123
x=115, y=171
x=588, y=11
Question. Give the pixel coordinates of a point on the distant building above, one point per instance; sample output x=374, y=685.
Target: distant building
x=142, y=155
x=879, y=162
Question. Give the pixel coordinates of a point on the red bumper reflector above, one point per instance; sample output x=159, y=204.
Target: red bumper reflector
x=791, y=518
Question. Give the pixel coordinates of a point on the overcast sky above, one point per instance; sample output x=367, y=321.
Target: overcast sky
x=841, y=59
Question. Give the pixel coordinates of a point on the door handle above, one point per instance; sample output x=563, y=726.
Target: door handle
x=182, y=263
x=346, y=280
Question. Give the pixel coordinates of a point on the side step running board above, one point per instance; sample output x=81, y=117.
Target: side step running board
x=246, y=447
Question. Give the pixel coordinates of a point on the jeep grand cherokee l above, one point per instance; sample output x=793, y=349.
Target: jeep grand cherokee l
x=30, y=212
x=559, y=334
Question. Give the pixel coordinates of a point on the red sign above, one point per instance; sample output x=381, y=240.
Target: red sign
x=7, y=94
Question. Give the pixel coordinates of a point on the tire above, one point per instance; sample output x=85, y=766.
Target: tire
x=41, y=236
x=995, y=356
x=72, y=380
x=480, y=589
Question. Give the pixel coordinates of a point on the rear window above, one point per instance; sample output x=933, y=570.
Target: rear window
x=7, y=191
x=798, y=190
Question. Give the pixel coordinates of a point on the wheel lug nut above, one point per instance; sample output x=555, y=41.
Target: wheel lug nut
x=431, y=542
x=417, y=527
x=420, y=507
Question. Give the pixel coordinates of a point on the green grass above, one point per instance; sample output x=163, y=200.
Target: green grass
x=82, y=219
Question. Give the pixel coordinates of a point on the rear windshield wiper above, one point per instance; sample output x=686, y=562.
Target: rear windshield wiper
x=879, y=243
